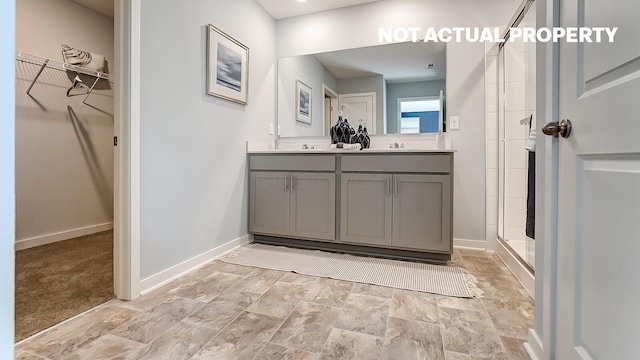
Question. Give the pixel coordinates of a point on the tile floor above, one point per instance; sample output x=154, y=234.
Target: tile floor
x=224, y=311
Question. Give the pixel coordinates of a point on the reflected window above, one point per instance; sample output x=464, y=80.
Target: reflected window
x=419, y=115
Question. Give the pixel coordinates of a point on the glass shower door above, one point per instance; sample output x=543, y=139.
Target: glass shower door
x=517, y=102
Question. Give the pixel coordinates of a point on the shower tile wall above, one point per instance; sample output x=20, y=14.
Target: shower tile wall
x=493, y=162
x=515, y=134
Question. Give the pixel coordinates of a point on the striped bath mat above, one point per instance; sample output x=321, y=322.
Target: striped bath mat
x=436, y=279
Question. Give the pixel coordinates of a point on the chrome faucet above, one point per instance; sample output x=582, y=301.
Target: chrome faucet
x=305, y=146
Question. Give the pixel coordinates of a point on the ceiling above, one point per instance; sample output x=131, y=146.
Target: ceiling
x=280, y=9
x=104, y=7
x=400, y=62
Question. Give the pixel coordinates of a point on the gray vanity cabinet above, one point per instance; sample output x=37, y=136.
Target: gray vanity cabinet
x=366, y=207
x=395, y=204
x=299, y=202
x=422, y=212
x=269, y=202
x=400, y=210
x=400, y=201
x=292, y=203
x=313, y=205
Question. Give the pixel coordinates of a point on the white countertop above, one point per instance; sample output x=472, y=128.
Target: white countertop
x=351, y=151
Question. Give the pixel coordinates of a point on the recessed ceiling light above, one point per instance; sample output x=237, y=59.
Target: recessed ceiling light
x=301, y=0
x=430, y=66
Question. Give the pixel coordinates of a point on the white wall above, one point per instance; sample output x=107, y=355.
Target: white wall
x=7, y=203
x=193, y=160
x=64, y=151
x=310, y=71
x=358, y=26
x=407, y=90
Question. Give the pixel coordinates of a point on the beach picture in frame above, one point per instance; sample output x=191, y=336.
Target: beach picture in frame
x=303, y=102
x=227, y=67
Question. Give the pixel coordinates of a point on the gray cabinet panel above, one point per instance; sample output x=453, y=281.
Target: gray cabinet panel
x=292, y=162
x=422, y=212
x=431, y=163
x=269, y=202
x=313, y=205
x=366, y=209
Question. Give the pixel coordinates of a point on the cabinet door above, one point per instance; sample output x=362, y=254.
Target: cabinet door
x=269, y=202
x=366, y=209
x=422, y=212
x=313, y=205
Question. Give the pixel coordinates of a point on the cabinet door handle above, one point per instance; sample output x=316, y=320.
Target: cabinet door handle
x=395, y=186
x=286, y=183
x=388, y=186
x=292, y=182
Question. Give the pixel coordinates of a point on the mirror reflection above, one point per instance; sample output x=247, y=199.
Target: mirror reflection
x=391, y=88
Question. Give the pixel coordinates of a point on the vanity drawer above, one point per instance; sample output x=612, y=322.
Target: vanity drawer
x=293, y=162
x=440, y=163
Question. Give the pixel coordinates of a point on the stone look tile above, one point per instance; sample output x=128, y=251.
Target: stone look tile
x=460, y=303
x=181, y=341
x=515, y=348
x=244, y=338
x=480, y=266
x=511, y=317
x=277, y=352
x=329, y=292
x=347, y=345
x=67, y=338
x=278, y=301
x=149, y=325
x=412, y=340
x=23, y=355
x=108, y=347
x=470, y=332
x=365, y=314
x=413, y=305
x=308, y=327
x=220, y=311
x=501, y=286
x=222, y=266
x=331, y=319
x=372, y=290
x=209, y=287
x=258, y=281
x=298, y=279
x=452, y=355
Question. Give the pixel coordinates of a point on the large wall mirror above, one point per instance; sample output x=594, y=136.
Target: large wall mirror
x=391, y=88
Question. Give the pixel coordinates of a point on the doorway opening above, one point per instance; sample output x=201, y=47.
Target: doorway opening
x=65, y=178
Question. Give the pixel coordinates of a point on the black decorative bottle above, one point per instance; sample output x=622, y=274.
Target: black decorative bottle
x=341, y=131
x=361, y=137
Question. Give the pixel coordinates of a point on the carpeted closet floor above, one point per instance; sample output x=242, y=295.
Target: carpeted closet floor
x=57, y=281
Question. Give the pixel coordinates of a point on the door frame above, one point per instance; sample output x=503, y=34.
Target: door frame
x=541, y=341
x=333, y=96
x=126, y=232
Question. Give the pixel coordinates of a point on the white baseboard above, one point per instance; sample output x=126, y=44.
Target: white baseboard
x=61, y=236
x=155, y=281
x=470, y=244
x=534, y=346
x=522, y=273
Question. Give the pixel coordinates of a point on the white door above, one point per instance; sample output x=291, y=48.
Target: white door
x=360, y=107
x=598, y=259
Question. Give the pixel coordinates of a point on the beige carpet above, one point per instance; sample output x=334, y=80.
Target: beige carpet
x=436, y=279
x=57, y=281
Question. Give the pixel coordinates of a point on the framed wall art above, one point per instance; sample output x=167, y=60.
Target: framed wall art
x=227, y=67
x=303, y=102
